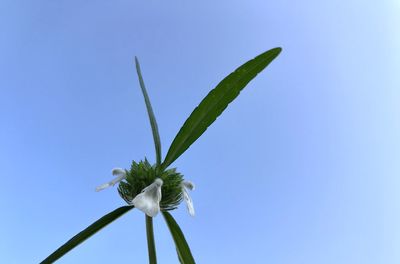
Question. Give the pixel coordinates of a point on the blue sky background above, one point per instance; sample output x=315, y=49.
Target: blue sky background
x=302, y=168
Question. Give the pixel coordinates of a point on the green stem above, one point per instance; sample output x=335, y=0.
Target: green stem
x=150, y=240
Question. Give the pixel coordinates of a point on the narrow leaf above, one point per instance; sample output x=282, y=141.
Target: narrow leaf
x=184, y=254
x=215, y=103
x=85, y=234
x=153, y=122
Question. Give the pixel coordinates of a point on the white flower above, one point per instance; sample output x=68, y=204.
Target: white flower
x=120, y=173
x=187, y=185
x=148, y=201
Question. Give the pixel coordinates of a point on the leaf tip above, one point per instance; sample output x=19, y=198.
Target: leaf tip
x=136, y=61
x=276, y=50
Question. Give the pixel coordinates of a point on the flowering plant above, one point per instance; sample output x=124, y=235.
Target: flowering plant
x=154, y=188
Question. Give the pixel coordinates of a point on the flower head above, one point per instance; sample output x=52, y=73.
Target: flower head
x=120, y=173
x=148, y=201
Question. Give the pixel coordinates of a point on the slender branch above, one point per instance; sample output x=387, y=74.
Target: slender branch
x=150, y=240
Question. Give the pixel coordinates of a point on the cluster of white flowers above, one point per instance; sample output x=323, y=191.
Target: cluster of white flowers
x=148, y=201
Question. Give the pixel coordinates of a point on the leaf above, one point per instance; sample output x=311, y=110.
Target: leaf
x=153, y=122
x=215, y=103
x=184, y=254
x=85, y=234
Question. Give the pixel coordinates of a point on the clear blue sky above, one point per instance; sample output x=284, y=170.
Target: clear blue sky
x=302, y=168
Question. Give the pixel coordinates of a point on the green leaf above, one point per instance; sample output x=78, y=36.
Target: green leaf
x=215, y=103
x=153, y=122
x=184, y=254
x=85, y=234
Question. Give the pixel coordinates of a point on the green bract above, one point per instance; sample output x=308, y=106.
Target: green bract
x=143, y=174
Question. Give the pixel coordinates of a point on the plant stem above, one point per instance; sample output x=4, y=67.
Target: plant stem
x=150, y=240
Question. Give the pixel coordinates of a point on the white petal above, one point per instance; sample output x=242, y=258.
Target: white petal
x=189, y=202
x=188, y=185
x=118, y=179
x=148, y=201
x=121, y=173
x=118, y=171
x=102, y=187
